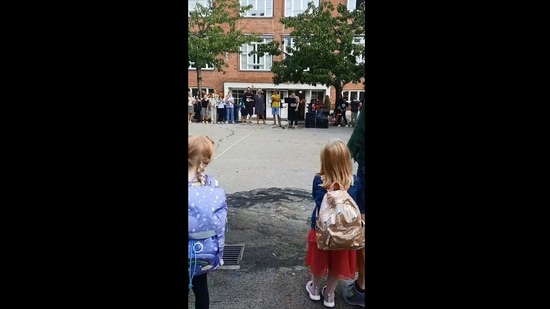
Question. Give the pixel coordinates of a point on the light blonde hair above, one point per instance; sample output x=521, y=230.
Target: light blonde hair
x=199, y=153
x=336, y=164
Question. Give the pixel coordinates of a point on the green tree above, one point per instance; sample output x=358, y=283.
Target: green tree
x=212, y=33
x=323, y=51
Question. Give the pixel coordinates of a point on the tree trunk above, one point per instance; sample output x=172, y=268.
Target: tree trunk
x=339, y=87
x=199, y=81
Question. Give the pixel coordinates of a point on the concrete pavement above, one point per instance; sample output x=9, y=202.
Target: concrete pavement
x=267, y=174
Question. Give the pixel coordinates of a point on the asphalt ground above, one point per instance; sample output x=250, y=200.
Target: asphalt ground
x=267, y=173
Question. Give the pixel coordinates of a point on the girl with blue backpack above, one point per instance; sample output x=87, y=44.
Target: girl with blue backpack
x=207, y=218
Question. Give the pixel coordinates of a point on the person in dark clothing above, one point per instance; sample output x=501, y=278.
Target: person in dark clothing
x=248, y=106
x=354, y=293
x=342, y=105
x=200, y=289
x=293, y=111
x=197, y=108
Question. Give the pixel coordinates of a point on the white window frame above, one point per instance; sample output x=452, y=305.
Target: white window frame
x=349, y=92
x=291, y=10
x=352, y=5
x=286, y=40
x=265, y=61
x=191, y=5
x=267, y=8
x=192, y=66
x=359, y=40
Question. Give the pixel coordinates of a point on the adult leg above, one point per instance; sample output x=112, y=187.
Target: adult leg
x=344, y=117
x=354, y=294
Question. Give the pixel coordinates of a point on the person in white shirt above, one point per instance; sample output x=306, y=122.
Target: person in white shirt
x=214, y=107
x=229, y=108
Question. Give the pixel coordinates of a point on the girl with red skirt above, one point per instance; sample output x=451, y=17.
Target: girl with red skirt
x=334, y=265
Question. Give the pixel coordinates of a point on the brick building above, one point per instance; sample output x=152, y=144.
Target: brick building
x=244, y=70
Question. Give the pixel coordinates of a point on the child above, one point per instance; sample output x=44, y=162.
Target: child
x=200, y=153
x=336, y=167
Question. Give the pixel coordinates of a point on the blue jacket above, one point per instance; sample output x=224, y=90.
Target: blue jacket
x=318, y=193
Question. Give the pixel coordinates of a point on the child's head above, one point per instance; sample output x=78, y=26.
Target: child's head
x=336, y=165
x=200, y=152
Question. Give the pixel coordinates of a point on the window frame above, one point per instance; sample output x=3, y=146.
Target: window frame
x=285, y=38
x=303, y=5
x=191, y=8
x=207, y=68
x=265, y=8
x=267, y=64
x=360, y=59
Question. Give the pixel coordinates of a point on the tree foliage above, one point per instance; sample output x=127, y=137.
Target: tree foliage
x=213, y=33
x=323, y=51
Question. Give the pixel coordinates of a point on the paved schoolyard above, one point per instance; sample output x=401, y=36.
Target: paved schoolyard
x=267, y=174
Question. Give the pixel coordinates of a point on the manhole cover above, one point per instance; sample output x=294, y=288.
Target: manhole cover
x=232, y=256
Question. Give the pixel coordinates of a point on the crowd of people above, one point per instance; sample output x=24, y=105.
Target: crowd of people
x=211, y=108
x=335, y=169
x=217, y=108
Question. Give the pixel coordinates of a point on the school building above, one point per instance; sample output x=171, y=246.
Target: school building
x=245, y=70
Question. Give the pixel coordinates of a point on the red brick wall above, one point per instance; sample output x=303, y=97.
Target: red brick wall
x=264, y=26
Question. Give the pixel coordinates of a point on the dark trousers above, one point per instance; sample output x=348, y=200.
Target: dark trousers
x=221, y=114
x=292, y=116
x=200, y=289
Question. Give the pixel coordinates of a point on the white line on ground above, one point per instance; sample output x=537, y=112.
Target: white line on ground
x=235, y=143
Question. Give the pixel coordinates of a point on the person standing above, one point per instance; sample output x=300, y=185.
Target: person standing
x=190, y=107
x=213, y=107
x=354, y=294
x=326, y=106
x=221, y=111
x=336, y=168
x=248, y=105
x=199, y=154
x=343, y=106
x=259, y=106
x=293, y=111
x=276, y=107
x=354, y=110
x=230, y=106
x=205, y=103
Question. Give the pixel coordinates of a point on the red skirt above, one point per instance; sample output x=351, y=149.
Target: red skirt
x=341, y=263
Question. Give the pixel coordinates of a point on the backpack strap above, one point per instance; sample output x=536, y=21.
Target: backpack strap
x=202, y=235
x=340, y=187
x=209, y=181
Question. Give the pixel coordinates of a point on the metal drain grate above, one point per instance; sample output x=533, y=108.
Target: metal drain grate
x=232, y=256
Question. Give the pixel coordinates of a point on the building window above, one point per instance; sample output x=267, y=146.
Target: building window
x=360, y=40
x=353, y=4
x=260, y=8
x=192, y=5
x=295, y=7
x=255, y=61
x=289, y=43
x=206, y=67
x=354, y=95
x=195, y=91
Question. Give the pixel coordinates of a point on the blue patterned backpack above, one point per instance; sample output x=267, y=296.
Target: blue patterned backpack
x=207, y=217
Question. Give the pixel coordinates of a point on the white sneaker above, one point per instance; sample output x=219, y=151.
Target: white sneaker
x=328, y=300
x=312, y=296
